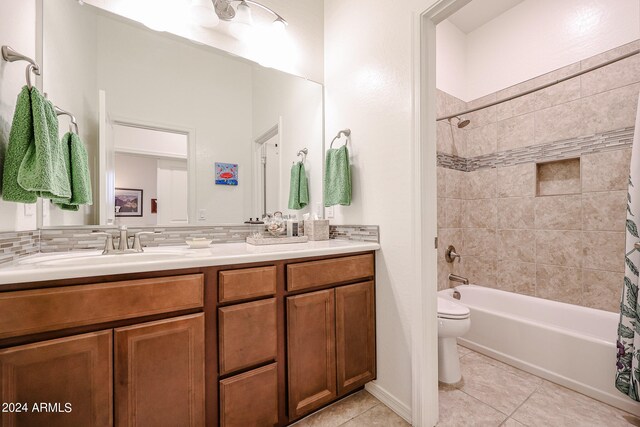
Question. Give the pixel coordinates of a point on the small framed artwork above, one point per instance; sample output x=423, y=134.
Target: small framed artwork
x=154, y=206
x=226, y=174
x=128, y=202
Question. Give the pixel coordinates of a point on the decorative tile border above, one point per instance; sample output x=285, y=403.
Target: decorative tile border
x=560, y=150
x=15, y=245
x=362, y=233
x=68, y=239
x=452, y=162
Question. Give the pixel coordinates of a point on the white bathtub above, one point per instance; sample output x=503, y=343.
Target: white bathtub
x=567, y=344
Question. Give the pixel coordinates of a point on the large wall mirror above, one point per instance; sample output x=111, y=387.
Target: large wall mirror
x=177, y=132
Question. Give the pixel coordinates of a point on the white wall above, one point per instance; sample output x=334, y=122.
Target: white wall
x=175, y=86
x=536, y=37
x=18, y=30
x=304, y=44
x=451, y=61
x=299, y=103
x=150, y=142
x=139, y=173
x=368, y=78
x=69, y=61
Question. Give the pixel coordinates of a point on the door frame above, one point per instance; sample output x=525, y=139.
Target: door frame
x=190, y=133
x=257, y=196
x=425, y=323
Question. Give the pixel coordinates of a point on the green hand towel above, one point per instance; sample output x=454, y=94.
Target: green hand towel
x=299, y=187
x=337, y=177
x=20, y=138
x=78, y=168
x=43, y=168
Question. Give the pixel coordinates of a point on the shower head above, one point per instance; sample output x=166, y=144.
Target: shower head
x=461, y=123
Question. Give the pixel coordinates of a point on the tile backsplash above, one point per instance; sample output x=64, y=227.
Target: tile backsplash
x=68, y=239
x=15, y=245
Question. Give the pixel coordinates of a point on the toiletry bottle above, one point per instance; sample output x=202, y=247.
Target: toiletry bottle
x=290, y=227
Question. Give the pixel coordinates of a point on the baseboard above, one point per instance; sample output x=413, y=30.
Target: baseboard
x=389, y=400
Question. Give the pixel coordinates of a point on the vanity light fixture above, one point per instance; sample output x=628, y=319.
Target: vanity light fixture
x=243, y=14
x=203, y=14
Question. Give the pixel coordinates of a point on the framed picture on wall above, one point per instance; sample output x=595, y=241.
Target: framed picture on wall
x=128, y=202
x=226, y=174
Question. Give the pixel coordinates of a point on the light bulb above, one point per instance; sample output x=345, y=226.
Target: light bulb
x=243, y=14
x=203, y=14
x=279, y=26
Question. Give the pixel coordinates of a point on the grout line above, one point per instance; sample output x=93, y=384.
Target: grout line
x=362, y=413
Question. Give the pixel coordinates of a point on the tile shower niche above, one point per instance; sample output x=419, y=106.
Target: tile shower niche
x=558, y=177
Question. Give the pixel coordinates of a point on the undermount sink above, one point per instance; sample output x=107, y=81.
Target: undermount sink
x=96, y=258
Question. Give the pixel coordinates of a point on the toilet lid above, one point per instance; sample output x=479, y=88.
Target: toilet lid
x=451, y=310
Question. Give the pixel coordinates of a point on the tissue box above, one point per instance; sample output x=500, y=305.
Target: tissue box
x=317, y=229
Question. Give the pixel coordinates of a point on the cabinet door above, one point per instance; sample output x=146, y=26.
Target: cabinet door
x=355, y=336
x=159, y=373
x=73, y=376
x=250, y=399
x=311, y=351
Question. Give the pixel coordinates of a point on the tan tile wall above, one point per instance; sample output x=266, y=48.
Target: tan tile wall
x=566, y=247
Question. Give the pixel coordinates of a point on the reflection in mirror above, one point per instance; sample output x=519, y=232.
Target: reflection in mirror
x=161, y=114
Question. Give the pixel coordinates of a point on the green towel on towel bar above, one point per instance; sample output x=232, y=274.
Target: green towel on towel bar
x=337, y=177
x=78, y=168
x=34, y=165
x=20, y=137
x=299, y=187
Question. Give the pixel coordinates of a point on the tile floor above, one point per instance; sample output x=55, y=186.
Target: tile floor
x=358, y=410
x=495, y=394
x=492, y=394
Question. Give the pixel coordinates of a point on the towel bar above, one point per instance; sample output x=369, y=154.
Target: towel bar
x=345, y=132
x=74, y=124
x=11, y=55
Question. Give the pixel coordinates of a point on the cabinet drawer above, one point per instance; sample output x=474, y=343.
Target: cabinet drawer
x=248, y=335
x=317, y=273
x=235, y=285
x=250, y=399
x=41, y=310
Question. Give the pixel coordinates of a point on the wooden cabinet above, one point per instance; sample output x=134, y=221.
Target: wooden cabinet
x=159, y=373
x=145, y=374
x=39, y=310
x=331, y=343
x=305, y=275
x=248, y=335
x=73, y=373
x=311, y=351
x=235, y=345
x=355, y=336
x=246, y=283
x=250, y=399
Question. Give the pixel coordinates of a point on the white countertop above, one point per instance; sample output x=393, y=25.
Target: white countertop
x=76, y=264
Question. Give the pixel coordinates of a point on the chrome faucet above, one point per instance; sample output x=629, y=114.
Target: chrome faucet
x=123, y=244
x=459, y=279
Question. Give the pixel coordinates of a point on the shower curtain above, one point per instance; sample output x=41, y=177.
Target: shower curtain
x=628, y=365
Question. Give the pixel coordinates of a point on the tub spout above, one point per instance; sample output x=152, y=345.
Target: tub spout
x=459, y=279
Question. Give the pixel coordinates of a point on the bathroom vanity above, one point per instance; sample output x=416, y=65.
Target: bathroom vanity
x=217, y=341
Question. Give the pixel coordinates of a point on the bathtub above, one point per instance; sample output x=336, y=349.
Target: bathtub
x=567, y=344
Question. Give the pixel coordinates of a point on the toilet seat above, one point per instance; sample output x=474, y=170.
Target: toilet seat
x=448, y=309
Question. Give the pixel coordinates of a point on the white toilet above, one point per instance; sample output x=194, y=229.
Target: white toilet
x=453, y=321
